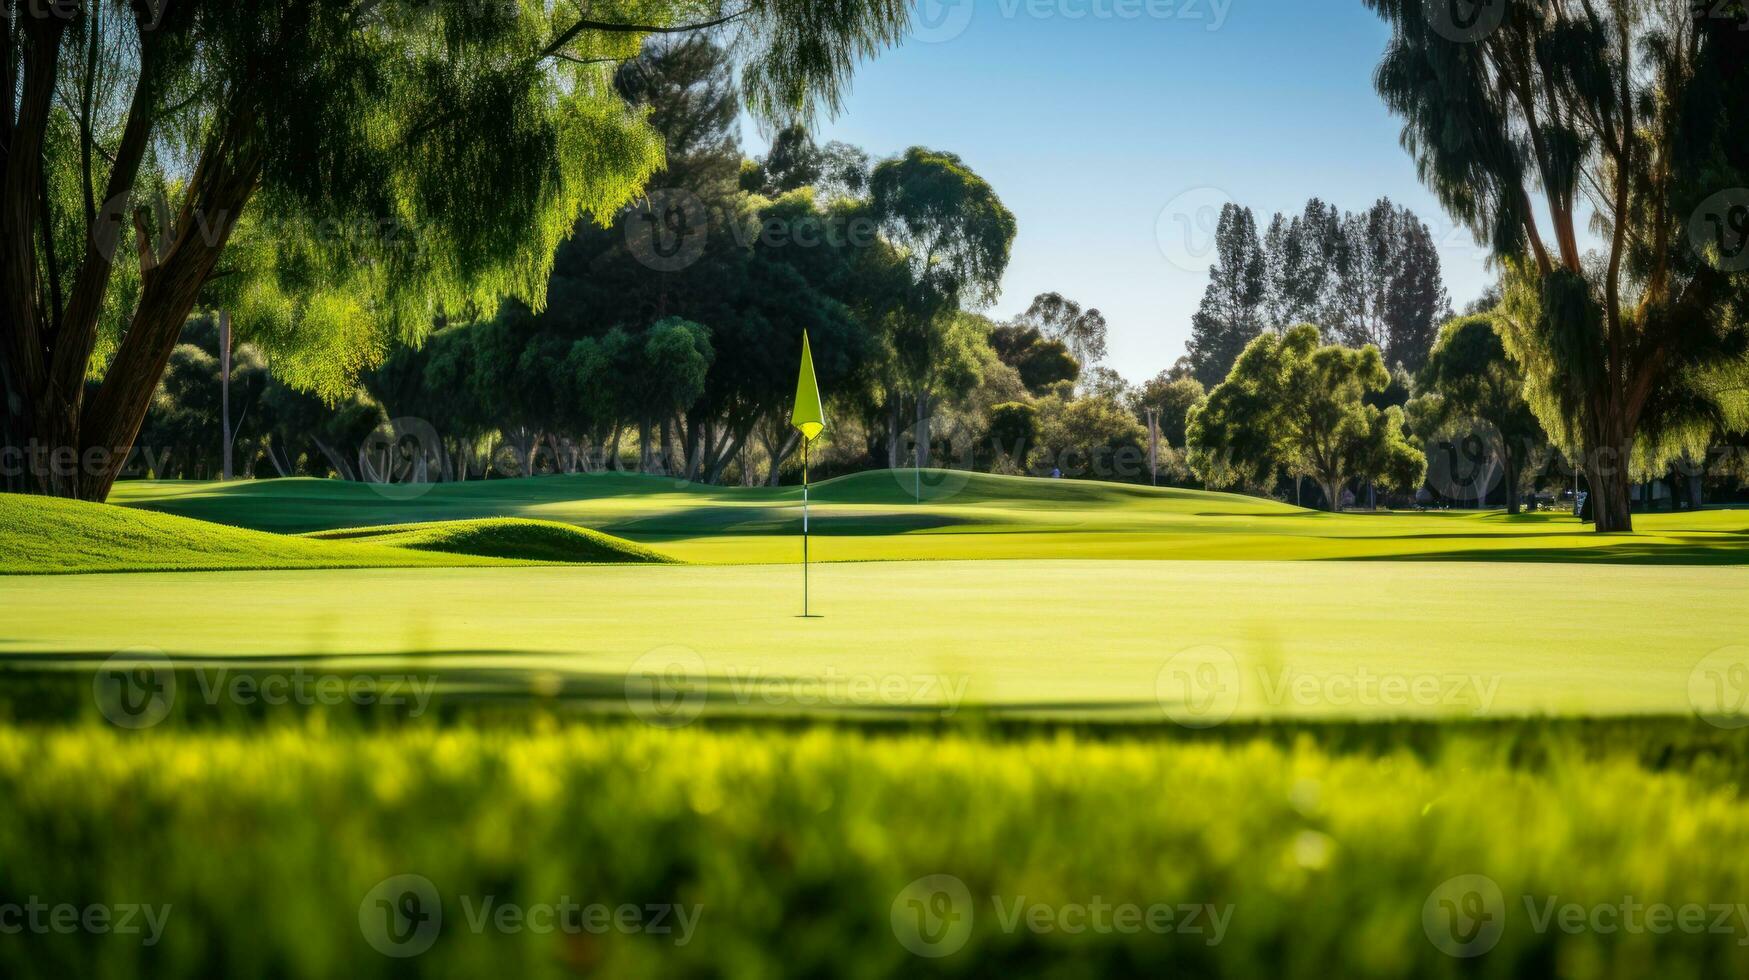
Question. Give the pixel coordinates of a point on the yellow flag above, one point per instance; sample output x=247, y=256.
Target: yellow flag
x=809, y=415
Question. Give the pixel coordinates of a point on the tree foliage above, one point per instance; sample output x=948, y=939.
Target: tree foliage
x=1292, y=404
x=1634, y=109
x=338, y=174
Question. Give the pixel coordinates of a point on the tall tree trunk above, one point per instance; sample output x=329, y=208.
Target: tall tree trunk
x=1611, y=495
x=922, y=434
x=892, y=430
x=225, y=387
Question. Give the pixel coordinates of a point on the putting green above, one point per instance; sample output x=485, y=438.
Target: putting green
x=873, y=517
x=1082, y=638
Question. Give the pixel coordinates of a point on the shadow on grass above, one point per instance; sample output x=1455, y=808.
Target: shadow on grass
x=58, y=689
x=1669, y=550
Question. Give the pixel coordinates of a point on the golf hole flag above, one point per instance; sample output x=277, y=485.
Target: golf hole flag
x=809, y=418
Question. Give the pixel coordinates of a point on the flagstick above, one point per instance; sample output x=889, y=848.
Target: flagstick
x=804, y=527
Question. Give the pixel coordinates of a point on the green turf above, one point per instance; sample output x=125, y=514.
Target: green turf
x=1079, y=638
x=872, y=516
x=795, y=853
x=503, y=537
x=40, y=535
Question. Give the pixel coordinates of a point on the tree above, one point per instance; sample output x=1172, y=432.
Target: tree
x=1292, y=404
x=955, y=237
x=1081, y=330
x=1231, y=313
x=1173, y=398
x=1012, y=432
x=1093, y=438
x=331, y=173
x=1638, y=108
x=1042, y=363
x=1473, y=393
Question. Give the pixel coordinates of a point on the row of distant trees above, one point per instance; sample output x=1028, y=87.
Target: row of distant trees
x=1368, y=278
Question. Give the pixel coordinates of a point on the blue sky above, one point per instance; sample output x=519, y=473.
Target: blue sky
x=1114, y=129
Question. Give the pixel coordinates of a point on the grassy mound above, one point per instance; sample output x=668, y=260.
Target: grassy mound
x=505, y=537
x=42, y=535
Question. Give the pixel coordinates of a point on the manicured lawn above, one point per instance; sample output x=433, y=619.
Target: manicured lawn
x=39, y=535
x=1088, y=637
x=872, y=516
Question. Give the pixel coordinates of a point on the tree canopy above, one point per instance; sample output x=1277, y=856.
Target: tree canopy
x=340, y=175
x=1293, y=404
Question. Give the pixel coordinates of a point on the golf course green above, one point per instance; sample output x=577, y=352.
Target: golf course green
x=1297, y=731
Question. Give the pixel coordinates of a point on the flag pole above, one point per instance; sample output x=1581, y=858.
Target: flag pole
x=804, y=527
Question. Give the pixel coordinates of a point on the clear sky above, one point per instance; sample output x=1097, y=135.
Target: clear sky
x=1114, y=129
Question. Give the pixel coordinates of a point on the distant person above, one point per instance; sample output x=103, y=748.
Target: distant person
x=1056, y=473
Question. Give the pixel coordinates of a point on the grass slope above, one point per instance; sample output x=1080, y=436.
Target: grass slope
x=40, y=535
x=547, y=541
x=873, y=516
x=795, y=853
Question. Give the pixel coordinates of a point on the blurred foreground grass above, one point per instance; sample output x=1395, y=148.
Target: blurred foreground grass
x=279, y=848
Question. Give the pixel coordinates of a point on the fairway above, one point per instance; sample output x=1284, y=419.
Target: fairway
x=961, y=515
x=1075, y=639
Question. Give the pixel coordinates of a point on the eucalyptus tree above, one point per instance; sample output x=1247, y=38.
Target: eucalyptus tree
x=1293, y=404
x=955, y=237
x=1083, y=331
x=336, y=173
x=1634, y=110
x=1471, y=390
